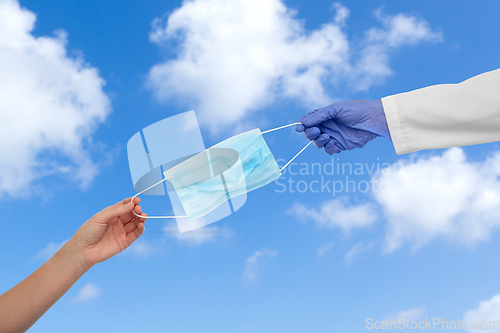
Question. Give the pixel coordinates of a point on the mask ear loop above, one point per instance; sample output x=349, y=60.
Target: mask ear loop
x=153, y=217
x=278, y=128
x=161, y=181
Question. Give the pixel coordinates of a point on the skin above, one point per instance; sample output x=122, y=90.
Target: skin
x=104, y=235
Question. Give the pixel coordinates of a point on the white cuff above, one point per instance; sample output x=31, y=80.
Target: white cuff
x=396, y=125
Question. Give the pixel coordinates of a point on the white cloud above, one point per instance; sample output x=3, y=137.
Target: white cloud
x=254, y=264
x=236, y=56
x=397, y=31
x=415, y=314
x=441, y=196
x=356, y=250
x=199, y=236
x=49, y=106
x=324, y=249
x=87, y=293
x=336, y=213
x=48, y=251
x=486, y=318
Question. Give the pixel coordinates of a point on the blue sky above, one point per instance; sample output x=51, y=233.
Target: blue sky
x=290, y=262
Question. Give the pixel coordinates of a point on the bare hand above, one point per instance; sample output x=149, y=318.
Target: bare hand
x=109, y=232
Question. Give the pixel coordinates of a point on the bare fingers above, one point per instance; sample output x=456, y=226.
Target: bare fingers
x=132, y=223
x=125, y=201
x=136, y=228
x=119, y=210
x=132, y=214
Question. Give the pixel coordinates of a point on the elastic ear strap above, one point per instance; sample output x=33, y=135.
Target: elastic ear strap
x=153, y=217
x=277, y=128
x=296, y=155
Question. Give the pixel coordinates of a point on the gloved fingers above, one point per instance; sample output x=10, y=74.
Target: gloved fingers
x=300, y=128
x=321, y=140
x=312, y=133
x=333, y=147
x=337, y=131
x=316, y=117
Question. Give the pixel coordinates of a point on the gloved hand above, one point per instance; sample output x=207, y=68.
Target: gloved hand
x=346, y=125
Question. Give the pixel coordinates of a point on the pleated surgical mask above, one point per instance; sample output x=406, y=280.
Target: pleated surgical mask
x=230, y=168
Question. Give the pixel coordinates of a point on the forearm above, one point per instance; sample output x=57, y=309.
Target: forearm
x=24, y=304
x=446, y=115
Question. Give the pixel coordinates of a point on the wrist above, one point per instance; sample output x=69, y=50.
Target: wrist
x=74, y=257
x=383, y=126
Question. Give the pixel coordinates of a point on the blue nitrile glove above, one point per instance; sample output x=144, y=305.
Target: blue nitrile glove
x=346, y=125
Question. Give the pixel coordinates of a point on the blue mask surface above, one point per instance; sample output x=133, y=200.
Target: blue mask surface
x=232, y=167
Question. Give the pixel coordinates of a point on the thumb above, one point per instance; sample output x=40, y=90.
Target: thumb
x=118, y=209
x=318, y=116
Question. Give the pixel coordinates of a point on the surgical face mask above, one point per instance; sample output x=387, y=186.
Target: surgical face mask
x=232, y=167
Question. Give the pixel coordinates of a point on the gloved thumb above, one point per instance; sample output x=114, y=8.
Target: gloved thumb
x=316, y=117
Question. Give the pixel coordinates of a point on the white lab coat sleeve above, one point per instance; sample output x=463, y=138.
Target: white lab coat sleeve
x=446, y=115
